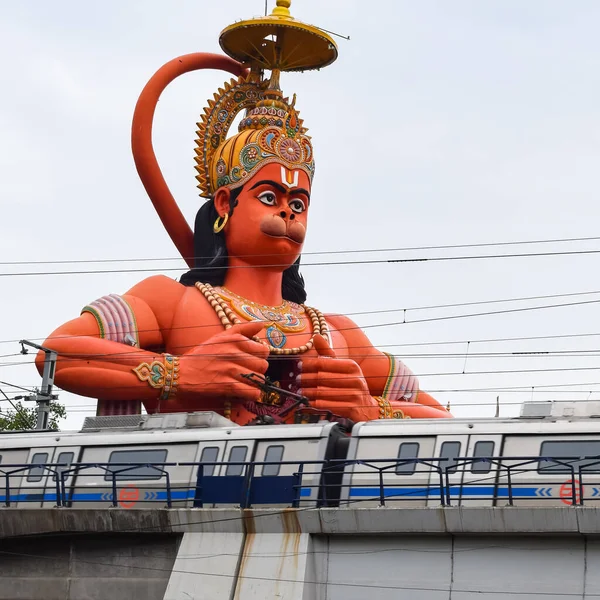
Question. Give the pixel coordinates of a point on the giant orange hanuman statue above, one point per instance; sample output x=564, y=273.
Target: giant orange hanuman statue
x=185, y=346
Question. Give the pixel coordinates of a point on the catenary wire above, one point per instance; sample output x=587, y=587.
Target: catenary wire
x=344, y=584
x=385, y=376
x=142, y=354
x=315, y=253
x=581, y=353
x=311, y=264
x=367, y=326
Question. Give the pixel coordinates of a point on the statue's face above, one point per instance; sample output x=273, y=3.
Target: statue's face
x=268, y=225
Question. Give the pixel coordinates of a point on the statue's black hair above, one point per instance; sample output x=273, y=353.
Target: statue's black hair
x=212, y=260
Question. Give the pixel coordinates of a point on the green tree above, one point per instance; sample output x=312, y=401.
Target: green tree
x=21, y=417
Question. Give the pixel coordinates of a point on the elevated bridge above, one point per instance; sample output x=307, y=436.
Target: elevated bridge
x=386, y=553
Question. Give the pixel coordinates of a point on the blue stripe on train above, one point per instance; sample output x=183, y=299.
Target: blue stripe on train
x=490, y=491
x=179, y=495
x=148, y=496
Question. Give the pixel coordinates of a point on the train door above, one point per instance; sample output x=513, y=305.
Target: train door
x=8, y=457
x=212, y=451
x=225, y=486
x=38, y=484
x=480, y=478
x=448, y=449
x=282, y=484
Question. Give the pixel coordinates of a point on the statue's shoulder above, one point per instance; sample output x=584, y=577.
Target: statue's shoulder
x=345, y=327
x=158, y=288
x=339, y=321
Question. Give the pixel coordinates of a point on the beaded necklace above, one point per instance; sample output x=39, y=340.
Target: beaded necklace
x=278, y=319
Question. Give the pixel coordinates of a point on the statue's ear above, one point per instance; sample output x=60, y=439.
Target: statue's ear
x=221, y=200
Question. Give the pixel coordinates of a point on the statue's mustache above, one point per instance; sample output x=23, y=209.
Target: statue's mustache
x=278, y=227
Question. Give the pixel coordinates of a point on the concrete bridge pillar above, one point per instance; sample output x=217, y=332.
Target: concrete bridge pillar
x=205, y=566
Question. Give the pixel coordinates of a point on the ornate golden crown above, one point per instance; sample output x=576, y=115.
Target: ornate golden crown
x=271, y=131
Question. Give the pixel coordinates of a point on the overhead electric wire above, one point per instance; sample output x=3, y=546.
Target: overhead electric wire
x=550, y=388
x=16, y=386
x=91, y=410
x=537, y=354
x=561, y=336
x=419, y=375
x=472, y=303
x=376, y=325
x=326, y=582
x=412, y=344
x=315, y=253
x=340, y=391
x=310, y=264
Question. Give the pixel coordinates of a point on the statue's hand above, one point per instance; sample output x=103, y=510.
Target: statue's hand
x=335, y=384
x=215, y=367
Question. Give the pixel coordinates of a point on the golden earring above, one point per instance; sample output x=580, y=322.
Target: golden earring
x=217, y=227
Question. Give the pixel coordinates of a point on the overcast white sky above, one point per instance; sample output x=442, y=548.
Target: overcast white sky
x=442, y=122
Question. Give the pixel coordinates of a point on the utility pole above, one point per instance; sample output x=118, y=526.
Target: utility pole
x=45, y=395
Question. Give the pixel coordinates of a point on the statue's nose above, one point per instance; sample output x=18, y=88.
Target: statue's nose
x=284, y=215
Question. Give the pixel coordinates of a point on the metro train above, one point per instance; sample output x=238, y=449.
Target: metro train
x=549, y=455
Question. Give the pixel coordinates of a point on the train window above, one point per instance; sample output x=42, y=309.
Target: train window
x=36, y=473
x=449, y=452
x=209, y=454
x=482, y=449
x=122, y=459
x=275, y=454
x=570, y=448
x=237, y=454
x=407, y=450
x=64, y=460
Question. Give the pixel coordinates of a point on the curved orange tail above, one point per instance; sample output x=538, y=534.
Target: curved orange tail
x=143, y=152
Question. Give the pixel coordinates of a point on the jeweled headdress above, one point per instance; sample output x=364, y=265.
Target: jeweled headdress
x=270, y=131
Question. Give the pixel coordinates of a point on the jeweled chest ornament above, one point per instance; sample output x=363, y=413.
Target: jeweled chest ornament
x=286, y=318
x=289, y=317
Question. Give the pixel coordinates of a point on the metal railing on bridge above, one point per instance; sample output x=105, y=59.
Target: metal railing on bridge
x=433, y=481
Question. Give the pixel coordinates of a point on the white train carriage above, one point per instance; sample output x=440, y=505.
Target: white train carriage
x=130, y=459
x=550, y=455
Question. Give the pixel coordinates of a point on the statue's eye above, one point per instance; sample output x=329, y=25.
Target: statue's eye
x=268, y=198
x=297, y=205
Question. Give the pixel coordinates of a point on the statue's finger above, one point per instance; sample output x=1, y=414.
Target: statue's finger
x=322, y=347
x=247, y=329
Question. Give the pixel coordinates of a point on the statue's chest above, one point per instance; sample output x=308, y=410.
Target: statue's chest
x=196, y=320
x=284, y=324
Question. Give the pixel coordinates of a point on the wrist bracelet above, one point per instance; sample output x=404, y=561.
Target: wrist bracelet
x=162, y=375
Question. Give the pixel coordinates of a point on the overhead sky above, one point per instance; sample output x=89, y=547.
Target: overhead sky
x=441, y=123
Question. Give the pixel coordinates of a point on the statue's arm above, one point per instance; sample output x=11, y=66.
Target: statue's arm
x=98, y=350
x=389, y=380
x=115, y=351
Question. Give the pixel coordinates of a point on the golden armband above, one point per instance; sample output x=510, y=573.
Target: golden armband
x=386, y=410
x=160, y=375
